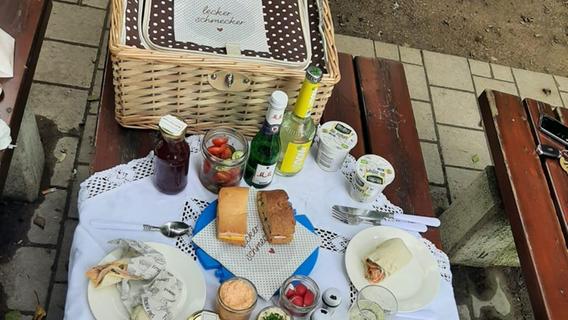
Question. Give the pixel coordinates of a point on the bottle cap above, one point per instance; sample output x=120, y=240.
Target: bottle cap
x=321, y=314
x=278, y=100
x=172, y=127
x=314, y=74
x=331, y=297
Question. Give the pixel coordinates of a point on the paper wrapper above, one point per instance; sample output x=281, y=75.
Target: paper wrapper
x=6, y=55
x=265, y=265
x=159, y=289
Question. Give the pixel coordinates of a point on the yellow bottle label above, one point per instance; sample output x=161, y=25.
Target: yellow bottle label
x=294, y=157
x=306, y=99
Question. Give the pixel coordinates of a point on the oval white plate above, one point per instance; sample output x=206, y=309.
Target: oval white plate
x=414, y=286
x=105, y=303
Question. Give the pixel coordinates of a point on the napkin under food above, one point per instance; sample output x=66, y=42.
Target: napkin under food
x=154, y=296
x=5, y=135
x=6, y=55
x=266, y=265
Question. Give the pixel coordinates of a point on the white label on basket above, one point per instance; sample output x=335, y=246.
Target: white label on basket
x=216, y=23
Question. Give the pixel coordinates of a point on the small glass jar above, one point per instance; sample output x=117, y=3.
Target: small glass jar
x=171, y=161
x=225, y=154
x=236, y=299
x=271, y=310
x=290, y=296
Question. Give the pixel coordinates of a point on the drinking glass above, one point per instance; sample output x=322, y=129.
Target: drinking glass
x=373, y=303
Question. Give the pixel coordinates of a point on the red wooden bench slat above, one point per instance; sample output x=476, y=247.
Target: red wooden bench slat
x=114, y=144
x=557, y=177
x=524, y=189
x=390, y=132
x=343, y=105
x=26, y=21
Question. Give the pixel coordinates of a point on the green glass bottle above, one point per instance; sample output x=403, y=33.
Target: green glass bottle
x=265, y=146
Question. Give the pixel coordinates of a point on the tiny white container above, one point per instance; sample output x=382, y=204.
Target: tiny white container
x=372, y=175
x=336, y=139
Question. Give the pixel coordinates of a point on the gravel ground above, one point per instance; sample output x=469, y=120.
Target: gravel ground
x=527, y=34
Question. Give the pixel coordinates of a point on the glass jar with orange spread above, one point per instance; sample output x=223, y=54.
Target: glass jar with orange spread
x=236, y=299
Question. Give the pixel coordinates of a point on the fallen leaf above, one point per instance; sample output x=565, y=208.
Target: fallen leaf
x=50, y=190
x=61, y=156
x=13, y=315
x=39, y=221
x=39, y=313
x=475, y=158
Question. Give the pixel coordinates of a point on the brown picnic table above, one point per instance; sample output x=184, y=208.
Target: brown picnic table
x=26, y=21
x=535, y=196
x=372, y=97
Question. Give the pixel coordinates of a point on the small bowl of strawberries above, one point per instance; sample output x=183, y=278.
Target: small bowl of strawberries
x=299, y=295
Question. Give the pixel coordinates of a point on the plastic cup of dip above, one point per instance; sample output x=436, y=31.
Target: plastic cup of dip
x=336, y=139
x=372, y=175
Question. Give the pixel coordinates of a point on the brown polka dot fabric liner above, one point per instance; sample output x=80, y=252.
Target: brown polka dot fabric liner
x=283, y=29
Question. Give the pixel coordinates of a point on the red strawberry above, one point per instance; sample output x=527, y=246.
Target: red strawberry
x=297, y=300
x=206, y=166
x=226, y=153
x=308, y=298
x=301, y=289
x=290, y=293
x=219, y=141
x=216, y=151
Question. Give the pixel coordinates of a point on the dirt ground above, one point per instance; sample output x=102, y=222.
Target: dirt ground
x=528, y=34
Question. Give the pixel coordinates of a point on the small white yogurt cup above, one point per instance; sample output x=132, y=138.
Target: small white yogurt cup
x=372, y=175
x=336, y=139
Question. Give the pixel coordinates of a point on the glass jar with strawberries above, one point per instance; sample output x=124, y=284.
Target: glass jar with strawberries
x=225, y=153
x=299, y=295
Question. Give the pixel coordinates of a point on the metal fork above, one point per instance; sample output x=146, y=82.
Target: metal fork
x=352, y=219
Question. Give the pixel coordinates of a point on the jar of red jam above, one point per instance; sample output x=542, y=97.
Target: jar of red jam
x=171, y=161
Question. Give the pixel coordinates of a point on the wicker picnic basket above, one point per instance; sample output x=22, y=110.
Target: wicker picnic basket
x=150, y=83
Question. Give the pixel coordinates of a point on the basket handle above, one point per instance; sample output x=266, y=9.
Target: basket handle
x=229, y=81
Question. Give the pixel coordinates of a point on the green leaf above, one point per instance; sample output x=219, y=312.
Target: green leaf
x=475, y=158
x=13, y=315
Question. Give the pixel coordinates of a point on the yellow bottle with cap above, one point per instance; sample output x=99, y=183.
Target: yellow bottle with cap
x=298, y=129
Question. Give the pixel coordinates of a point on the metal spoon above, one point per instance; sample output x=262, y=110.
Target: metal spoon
x=170, y=229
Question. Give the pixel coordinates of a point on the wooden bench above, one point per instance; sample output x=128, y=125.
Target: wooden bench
x=372, y=97
x=534, y=194
x=26, y=21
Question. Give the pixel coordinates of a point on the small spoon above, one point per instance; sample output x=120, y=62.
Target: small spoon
x=170, y=229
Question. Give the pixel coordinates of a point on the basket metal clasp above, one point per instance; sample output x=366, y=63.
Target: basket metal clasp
x=229, y=81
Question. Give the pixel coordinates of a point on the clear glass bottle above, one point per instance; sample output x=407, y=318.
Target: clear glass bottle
x=171, y=163
x=265, y=146
x=298, y=129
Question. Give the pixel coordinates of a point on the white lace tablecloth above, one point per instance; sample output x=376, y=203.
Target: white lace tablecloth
x=125, y=193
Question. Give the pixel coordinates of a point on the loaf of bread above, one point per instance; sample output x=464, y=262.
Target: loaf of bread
x=276, y=215
x=232, y=211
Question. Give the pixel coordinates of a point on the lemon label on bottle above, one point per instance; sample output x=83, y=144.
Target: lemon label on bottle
x=294, y=157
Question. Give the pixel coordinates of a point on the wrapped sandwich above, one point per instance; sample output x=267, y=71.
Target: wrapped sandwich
x=110, y=273
x=389, y=257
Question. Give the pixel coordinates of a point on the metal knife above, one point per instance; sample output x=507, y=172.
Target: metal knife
x=375, y=214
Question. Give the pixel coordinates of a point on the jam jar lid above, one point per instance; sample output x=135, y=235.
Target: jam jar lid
x=172, y=127
x=204, y=315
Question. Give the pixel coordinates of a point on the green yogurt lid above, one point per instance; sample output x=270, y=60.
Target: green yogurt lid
x=375, y=170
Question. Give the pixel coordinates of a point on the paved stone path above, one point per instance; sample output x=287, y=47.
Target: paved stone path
x=66, y=91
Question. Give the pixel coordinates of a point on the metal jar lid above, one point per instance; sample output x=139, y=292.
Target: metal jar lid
x=204, y=315
x=172, y=127
x=314, y=74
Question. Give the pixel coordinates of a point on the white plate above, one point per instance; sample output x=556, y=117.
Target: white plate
x=414, y=286
x=105, y=302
